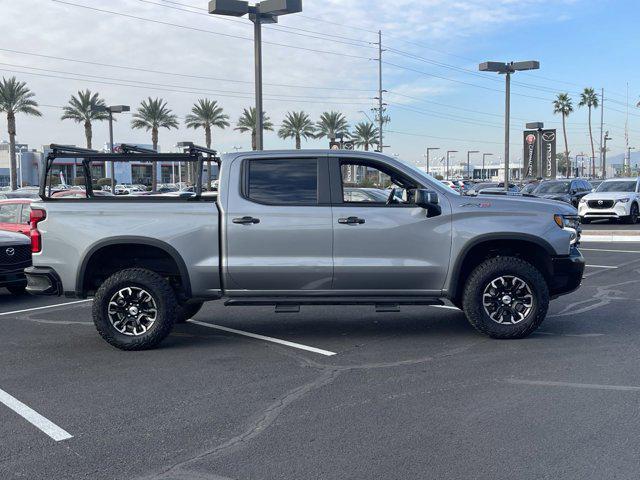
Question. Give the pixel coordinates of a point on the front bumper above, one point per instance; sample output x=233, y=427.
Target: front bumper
x=619, y=210
x=43, y=281
x=566, y=273
x=9, y=278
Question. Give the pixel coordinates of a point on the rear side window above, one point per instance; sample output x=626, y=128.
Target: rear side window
x=283, y=182
x=9, y=213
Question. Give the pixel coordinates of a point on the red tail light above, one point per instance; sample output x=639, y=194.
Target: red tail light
x=37, y=215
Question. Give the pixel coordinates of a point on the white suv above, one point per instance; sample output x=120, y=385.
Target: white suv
x=616, y=199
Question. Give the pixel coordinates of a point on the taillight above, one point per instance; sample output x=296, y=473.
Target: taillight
x=37, y=215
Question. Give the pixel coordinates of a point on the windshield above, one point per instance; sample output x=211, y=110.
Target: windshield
x=618, y=186
x=529, y=188
x=553, y=187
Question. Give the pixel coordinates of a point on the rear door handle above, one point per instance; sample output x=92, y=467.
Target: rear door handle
x=351, y=221
x=246, y=220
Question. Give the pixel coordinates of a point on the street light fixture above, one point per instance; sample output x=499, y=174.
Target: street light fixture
x=468, y=162
x=507, y=69
x=449, y=152
x=484, y=156
x=267, y=11
x=111, y=110
x=429, y=149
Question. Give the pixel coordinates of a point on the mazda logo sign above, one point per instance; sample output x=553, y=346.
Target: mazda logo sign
x=600, y=202
x=548, y=136
x=10, y=251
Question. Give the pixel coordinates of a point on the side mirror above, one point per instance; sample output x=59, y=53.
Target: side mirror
x=428, y=200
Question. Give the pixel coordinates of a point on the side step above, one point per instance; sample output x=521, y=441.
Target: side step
x=292, y=304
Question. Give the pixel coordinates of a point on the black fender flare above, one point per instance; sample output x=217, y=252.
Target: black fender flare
x=132, y=240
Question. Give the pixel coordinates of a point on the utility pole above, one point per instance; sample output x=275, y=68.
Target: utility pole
x=602, y=130
x=381, y=117
x=604, y=155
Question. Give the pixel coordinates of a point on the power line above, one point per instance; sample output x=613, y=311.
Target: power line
x=177, y=74
x=202, y=30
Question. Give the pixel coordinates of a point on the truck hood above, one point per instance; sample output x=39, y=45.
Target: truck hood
x=521, y=203
x=13, y=238
x=609, y=195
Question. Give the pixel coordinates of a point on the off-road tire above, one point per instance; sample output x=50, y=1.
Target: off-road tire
x=488, y=271
x=185, y=311
x=160, y=291
x=17, y=289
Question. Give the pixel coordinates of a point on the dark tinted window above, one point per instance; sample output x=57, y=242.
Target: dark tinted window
x=283, y=182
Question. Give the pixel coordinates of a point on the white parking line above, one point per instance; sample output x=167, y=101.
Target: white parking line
x=623, y=388
x=33, y=417
x=600, y=266
x=266, y=339
x=46, y=306
x=605, y=250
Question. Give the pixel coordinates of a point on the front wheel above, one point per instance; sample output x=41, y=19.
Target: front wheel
x=506, y=297
x=134, y=309
x=632, y=218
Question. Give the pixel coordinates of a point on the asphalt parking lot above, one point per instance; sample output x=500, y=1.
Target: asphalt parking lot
x=356, y=394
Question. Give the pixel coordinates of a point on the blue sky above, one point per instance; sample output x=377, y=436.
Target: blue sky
x=322, y=55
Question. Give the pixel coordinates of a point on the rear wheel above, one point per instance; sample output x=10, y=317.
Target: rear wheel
x=187, y=310
x=506, y=297
x=134, y=309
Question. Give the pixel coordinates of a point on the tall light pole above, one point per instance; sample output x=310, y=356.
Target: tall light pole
x=449, y=152
x=628, y=167
x=429, y=149
x=469, y=152
x=484, y=156
x=604, y=154
x=264, y=12
x=111, y=110
x=507, y=69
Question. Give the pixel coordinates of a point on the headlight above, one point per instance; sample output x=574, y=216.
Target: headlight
x=583, y=200
x=570, y=223
x=623, y=200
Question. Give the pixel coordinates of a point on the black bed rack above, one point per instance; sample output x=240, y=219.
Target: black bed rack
x=127, y=153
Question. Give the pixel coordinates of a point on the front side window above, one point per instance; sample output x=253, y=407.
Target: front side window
x=367, y=184
x=283, y=181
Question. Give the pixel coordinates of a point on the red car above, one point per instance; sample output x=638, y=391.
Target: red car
x=14, y=214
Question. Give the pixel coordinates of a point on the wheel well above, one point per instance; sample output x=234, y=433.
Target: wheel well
x=527, y=250
x=106, y=260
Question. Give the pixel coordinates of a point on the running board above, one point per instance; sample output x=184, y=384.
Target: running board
x=292, y=304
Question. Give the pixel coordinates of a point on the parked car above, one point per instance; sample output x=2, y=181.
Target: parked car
x=14, y=215
x=615, y=199
x=15, y=256
x=280, y=232
x=530, y=187
x=80, y=194
x=493, y=187
x=27, y=192
x=568, y=191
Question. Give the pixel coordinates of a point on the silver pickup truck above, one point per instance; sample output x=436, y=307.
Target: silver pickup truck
x=281, y=231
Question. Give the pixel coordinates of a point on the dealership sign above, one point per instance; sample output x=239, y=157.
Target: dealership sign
x=539, y=154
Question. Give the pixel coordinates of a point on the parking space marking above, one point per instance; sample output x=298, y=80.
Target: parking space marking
x=33, y=417
x=447, y=307
x=266, y=339
x=606, y=250
x=594, y=386
x=46, y=306
x=600, y=266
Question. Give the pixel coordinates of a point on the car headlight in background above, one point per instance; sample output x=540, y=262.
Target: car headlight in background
x=583, y=200
x=623, y=200
x=570, y=223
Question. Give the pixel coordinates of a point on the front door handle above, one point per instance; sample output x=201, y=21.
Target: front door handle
x=246, y=220
x=351, y=221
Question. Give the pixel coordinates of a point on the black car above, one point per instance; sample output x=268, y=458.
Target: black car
x=15, y=256
x=568, y=191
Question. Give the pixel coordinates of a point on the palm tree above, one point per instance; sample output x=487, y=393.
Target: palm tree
x=207, y=114
x=563, y=105
x=247, y=123
x=83, y=109
x=15, y=97
x=297, y=125
x=365, y=134
x=153, y=114
x=331, y=125
x=588, y=98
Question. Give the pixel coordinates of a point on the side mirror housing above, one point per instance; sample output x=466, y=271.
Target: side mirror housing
x=428, y=200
